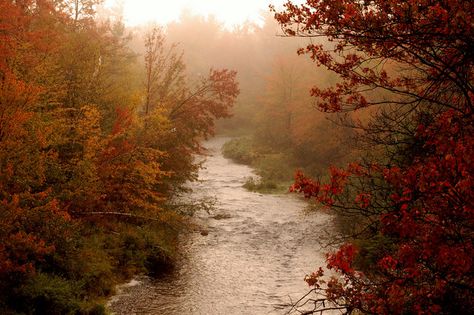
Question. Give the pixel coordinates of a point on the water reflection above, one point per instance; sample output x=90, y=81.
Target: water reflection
x=253, y=261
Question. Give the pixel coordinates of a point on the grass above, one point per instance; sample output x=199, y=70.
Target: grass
x=240, y=150
x=266, y=186
x=274, y=170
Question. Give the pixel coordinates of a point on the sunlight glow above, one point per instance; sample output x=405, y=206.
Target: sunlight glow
x=230, y=13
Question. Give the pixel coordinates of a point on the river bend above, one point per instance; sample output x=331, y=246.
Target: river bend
x=252, y=261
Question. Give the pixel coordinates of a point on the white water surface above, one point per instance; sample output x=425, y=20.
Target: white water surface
x=252, y=262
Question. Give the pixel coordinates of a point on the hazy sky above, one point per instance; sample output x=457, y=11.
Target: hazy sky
x=230, y=12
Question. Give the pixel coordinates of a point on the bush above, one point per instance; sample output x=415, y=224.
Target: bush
x=265, y=186
x=240, y=150
x=46, y=294
x=273, y=168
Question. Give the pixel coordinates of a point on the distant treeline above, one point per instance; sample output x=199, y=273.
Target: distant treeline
x=282, y=128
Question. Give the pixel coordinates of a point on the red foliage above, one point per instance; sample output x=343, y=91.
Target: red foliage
x=212, y=100
x=418, y=54
x=342, y=260
x=371, y=43
x=29, y=228
x=431, y=217
x=122, y=121
x=30, y=218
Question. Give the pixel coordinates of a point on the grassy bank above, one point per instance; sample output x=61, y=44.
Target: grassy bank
x=274, y=170
x=87, y=265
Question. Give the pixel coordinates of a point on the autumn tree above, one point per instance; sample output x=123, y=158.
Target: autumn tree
x=164, y=66
x=57, y=113
x=411, y=61
x=188, y=108
x=79, y=11
x=85, y=174
x=33, y=223
x=287, y=121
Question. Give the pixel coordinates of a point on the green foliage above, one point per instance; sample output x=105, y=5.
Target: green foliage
x=149, y=249
x=47, y=294
x=52, y=294
x=275, y=167
x=274, y=170
x=240, y=150
x=263, y=186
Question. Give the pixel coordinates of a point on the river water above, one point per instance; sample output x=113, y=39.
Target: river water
x=252, y=261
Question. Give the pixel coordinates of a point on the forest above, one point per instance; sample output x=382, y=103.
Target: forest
x=364, y=108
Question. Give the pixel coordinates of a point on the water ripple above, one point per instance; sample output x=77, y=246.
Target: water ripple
x=251, y=262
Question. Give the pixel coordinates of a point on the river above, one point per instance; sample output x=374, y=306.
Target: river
x=252, y=261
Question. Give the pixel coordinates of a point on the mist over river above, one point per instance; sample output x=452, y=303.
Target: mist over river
x=253, y=259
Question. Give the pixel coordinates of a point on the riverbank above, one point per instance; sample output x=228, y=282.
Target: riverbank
x=274, y=170
x=88, y=267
